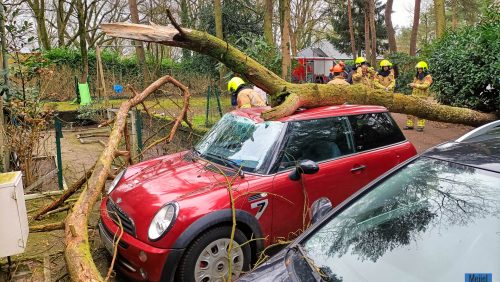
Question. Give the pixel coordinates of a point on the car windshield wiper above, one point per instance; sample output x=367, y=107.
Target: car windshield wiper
x=234, y=165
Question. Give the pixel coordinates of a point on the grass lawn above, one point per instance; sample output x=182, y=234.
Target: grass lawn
x=164, y=107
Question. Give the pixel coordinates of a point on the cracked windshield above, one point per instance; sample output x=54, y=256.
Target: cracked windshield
x=430, y=207
x=240, y=142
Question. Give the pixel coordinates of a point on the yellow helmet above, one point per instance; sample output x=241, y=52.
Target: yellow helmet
x=359, y=60
x=385, y=63
x=234, y=83
x=421, y=65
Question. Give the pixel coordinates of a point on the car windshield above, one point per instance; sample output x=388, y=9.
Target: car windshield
x=432, y=220
x=240, y=142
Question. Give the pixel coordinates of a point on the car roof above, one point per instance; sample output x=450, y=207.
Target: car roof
x=481, y=151
x=314, y=113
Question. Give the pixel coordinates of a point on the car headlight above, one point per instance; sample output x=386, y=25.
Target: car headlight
x=162, y=221
x=115, y=181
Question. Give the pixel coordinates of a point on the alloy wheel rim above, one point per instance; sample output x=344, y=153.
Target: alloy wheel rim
x=213, y=264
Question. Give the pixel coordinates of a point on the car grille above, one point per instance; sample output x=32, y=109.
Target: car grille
x=117, y=215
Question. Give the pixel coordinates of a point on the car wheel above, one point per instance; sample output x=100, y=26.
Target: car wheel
x=206, y=258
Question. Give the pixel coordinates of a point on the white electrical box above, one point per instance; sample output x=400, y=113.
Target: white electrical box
x=13, y=217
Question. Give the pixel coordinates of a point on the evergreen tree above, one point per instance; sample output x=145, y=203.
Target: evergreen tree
x=340, y=23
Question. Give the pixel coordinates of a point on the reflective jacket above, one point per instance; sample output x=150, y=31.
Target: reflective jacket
x=421, y=86
x=382, y=82
x=363, y=78
x=247, y=98
x=338, y=80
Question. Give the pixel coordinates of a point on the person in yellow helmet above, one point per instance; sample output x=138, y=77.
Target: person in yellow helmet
x=420, y=85
x=384, y=79
x=243, y=96
x=338, y=76
x=364, y=73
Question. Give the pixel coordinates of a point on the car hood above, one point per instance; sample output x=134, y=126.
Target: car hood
x=147, y=186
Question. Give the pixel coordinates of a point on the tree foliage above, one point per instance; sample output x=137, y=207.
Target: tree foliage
x=465, y=65
x=339, y=21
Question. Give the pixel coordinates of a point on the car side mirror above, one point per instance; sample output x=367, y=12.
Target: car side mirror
x=304, y=167
x=320, y=208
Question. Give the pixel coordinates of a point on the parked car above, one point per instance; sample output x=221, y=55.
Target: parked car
x=176, y=212
x=435, y=217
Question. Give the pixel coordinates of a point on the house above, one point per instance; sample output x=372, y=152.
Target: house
x=314, y=62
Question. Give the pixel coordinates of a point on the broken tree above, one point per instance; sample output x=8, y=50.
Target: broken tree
x=288, y=97
x=79, y=261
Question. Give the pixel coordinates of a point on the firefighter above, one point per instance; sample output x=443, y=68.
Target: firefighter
x=420, y=85
x=384, y=79
x=363, y=74
x=338, y=76
x=243, y=95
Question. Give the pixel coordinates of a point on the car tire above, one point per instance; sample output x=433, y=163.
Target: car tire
x=205, y=259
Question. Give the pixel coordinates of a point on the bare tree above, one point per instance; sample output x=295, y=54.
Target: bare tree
x=351, y=30
x=390, y=29
x=414, y=28
x=368, y=52
x=139, y=49
x=373, y=32
x=285, y=38
x=82, y=31
x=38, y=8
x=440, y=17
x=268, y=22
x=306, y=15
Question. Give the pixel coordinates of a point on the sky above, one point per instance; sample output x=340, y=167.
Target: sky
x=403, y=13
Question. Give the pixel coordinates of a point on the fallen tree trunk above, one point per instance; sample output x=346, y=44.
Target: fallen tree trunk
x=77, y=253
x=47, y=227
x=288, y=97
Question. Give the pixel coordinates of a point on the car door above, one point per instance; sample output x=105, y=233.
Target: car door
x=376, y=138
x=327, y=142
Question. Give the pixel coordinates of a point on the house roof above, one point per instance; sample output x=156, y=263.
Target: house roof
x=325, y=49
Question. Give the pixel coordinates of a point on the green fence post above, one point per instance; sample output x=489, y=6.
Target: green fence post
x=77, y=91
x=208, y=107
x=138, y=124
x=59, y=135
x=218, y=100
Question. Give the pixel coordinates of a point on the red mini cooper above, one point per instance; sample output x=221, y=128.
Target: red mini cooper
x=176, y=210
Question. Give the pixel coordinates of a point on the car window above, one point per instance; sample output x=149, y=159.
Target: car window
x=432, y=220
x=240, y=141
x=374, y=130
x=317, y=140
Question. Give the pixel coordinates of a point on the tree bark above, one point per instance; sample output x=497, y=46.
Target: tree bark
x=288, y=97
x=440, y=17
x=351, y=30
x=414, y=28
x=82, y=32
x=77, y=253
x=454, y=14
x=268, y=22
x=391, y=34
x=139, y=49
x=218, y=33
x=38, y=8
x=186, y=54
x=71, y=190
x=286, y=61
x=47, y=227
x=373, y=32
x=368, y=51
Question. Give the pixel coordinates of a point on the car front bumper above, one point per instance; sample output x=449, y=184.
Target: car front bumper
x=135, y=258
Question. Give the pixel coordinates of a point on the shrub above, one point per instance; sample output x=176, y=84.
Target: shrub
x=465, y=66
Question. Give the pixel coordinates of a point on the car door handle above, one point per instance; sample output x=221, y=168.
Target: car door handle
x=358, y=168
